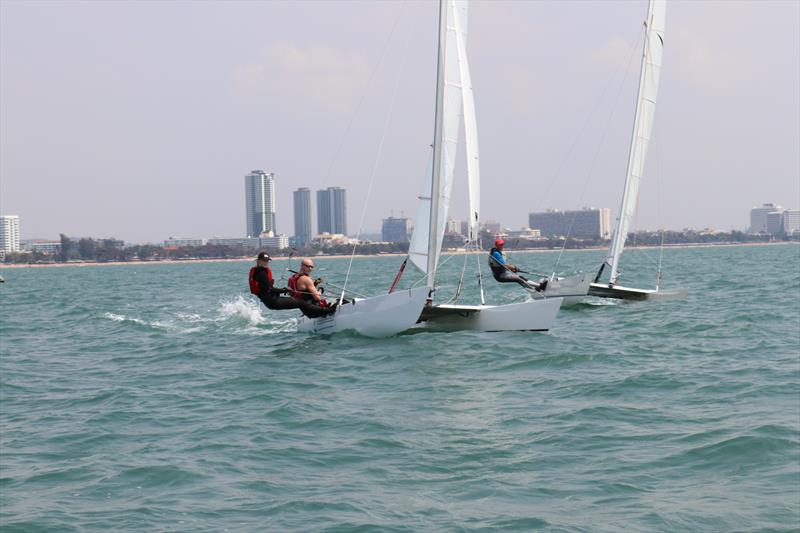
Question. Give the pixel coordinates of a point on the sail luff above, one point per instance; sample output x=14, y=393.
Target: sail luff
x=642, y=128
x=437, y=149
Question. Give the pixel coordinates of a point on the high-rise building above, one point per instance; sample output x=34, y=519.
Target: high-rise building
x=758, y=217
x=260, y=202
x=791, y=221
x=332, y=211
x=394, y=230
x=9, y=233
x=302, y=216
x=588, y=222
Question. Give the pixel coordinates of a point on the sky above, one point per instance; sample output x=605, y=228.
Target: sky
x=139, y=120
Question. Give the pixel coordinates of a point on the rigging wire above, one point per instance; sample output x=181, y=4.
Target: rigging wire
x=480, y=274
x=364, y=93
x=457, y=294
x=595, y=107
x=599, y=147
x=659, y=183
x=376, y=162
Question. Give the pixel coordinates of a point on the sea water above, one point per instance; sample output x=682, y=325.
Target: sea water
x=164, y=397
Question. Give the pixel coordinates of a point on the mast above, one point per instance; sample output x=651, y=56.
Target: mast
x=642, y=127
x=433, y=233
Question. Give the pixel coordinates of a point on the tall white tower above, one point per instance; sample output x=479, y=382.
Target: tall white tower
x=9, y=233
x=260, y=202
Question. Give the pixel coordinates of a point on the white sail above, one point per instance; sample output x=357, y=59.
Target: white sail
x=470, y=124
x=429, y=224
x=642, y=128
x=534, y=315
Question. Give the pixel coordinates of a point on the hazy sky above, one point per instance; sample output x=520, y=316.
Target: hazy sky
x=139, y=120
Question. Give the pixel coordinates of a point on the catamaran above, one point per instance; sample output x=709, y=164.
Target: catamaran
x=642, y=129
x=454, y=97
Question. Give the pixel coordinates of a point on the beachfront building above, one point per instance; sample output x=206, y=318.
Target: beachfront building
x=302, y=216
x=492, y=226
x=791, y=222
x=260, y=202
x=759, y=216
x=278, y=242
x=9, y=234
x=775, y=222
x=183, y=242
x=332, y=211
x=43, y=246
x=265, y=240
x=395, y=229
x=526, y=233
x=589, y=222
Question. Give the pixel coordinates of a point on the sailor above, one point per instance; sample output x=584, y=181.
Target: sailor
x=262, y=284
x=505, y=272
x=304, y=289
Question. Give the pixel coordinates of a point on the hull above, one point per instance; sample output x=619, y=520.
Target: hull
x=605, y=290
x=572, y=289
x=379, y=316
x=535, y=315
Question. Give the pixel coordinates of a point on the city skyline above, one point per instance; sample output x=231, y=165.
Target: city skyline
x=166, y=125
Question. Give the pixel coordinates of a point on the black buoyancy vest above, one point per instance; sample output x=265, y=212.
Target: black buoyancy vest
x=496, y=267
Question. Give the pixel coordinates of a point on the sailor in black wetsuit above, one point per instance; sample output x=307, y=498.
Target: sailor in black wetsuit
x=262, y=285
x=505, y=272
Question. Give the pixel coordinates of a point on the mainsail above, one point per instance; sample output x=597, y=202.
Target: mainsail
x=470, y=128
x=642, y=128
x=429, y=223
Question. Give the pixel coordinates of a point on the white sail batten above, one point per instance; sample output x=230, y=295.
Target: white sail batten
x=470, y=123
x=429, y=223
x=642, y=128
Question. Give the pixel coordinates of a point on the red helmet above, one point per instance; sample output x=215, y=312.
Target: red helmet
x=499, y=242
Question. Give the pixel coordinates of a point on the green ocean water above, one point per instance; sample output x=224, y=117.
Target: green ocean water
x=163, y=397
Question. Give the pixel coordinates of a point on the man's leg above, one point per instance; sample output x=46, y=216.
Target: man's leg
x=281, y=303
x=509, y=277
x=315, y=311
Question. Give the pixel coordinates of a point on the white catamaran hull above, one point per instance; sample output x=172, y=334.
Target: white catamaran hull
x=379, y=316
x=572, y=289
x=607, y=290
x=535, y=315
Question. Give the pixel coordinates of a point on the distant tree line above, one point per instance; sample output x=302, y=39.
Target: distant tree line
x=107, y=250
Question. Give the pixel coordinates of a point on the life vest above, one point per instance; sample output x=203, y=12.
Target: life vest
x=496, y=267
x=293, y=286
x=255, y=288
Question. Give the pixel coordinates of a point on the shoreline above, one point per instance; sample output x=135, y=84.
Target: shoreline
x=361, y=256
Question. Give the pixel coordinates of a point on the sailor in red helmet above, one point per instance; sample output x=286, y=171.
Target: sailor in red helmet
x=505, y=272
